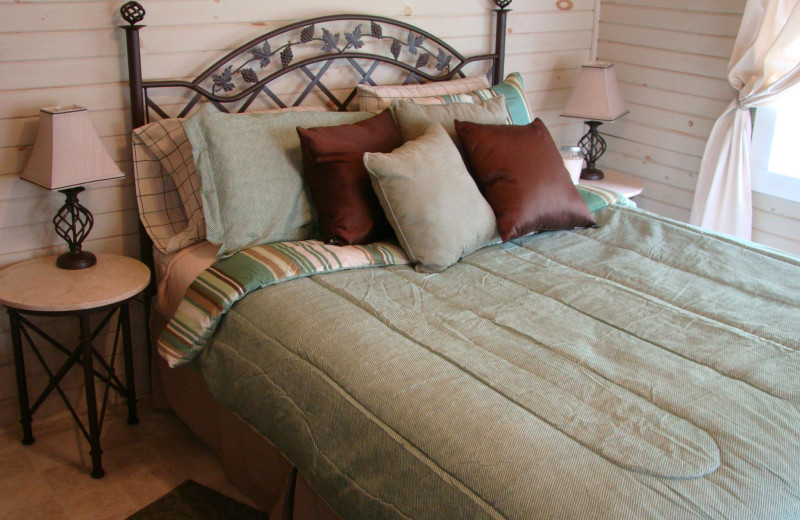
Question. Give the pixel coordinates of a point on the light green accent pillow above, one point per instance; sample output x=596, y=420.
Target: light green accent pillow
x=431, y=201
x=414, y=119
x=251, y=169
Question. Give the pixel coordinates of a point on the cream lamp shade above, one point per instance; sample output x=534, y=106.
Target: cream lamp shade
x=596, y=95
x=67, y=151
x=66, y=155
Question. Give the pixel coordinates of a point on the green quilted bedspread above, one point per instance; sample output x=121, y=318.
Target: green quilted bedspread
x=640, y=370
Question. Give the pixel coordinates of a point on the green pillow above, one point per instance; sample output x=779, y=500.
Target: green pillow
x=414, y=119
x=431, y=201
x=251, y=170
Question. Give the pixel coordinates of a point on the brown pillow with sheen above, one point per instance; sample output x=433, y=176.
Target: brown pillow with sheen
x=520, y=172
x=348, y=210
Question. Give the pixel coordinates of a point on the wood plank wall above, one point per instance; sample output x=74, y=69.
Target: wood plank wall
x=64, y=51
x=671, y=58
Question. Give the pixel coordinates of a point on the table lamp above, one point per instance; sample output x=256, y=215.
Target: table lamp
x=596, y=99
x=67, y=154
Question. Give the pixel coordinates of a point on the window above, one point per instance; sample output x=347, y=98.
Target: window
x=773, y=155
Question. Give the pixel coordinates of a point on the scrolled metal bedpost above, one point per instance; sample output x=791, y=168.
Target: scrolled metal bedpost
x=133, y=12
x=500, y=40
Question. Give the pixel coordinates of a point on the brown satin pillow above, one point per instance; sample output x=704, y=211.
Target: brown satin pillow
x=520, y=172
x=348, y=210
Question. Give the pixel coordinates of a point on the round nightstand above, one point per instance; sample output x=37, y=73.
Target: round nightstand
x=37, y=287
x=614, y=180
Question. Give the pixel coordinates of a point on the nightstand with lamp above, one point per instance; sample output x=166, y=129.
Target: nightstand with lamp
x=67, y=155
x=596, y=99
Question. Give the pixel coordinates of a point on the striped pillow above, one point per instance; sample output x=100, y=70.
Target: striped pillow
x=376, y=99
x=512, y=89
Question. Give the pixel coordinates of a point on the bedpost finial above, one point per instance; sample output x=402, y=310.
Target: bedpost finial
x=132, y=12
x=502, y=4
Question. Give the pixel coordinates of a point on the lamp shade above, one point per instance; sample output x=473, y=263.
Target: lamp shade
x=68, y=151
x=596, y=95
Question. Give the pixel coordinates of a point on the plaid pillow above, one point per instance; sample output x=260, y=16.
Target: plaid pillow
x=166, y=140
x=160, y=208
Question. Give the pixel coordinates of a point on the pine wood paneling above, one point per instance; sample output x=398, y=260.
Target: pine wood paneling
x=666, y=60
x=122, y=244
x=55, y=52
x=703, y=44
x=675, y=102
x=648, y=131
x=26, y=103
x=709, y=6
x=652, y=77
x=776, y=222
x=665, y=15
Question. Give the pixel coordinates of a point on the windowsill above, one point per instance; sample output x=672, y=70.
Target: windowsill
x=776, y=185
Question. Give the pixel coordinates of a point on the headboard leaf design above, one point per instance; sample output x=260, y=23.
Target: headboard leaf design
x=257, y=61
x=309, y=47
x=244, y=73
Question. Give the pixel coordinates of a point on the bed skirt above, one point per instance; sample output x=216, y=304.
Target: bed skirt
x=251, y=462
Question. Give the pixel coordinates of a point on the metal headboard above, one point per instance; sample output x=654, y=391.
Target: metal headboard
x=246, y=72
x=238, y=78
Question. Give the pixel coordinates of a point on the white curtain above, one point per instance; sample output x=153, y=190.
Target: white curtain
x=765, y=62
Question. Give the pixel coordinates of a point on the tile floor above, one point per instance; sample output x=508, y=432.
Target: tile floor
x=50, y=478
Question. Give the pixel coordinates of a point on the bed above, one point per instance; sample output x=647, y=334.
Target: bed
x=627, y=366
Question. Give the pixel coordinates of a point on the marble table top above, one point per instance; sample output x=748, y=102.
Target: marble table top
x=614, y=180
x=38, y=285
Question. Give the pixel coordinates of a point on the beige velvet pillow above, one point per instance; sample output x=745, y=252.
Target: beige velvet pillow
x=431, y=201
x=414, y=119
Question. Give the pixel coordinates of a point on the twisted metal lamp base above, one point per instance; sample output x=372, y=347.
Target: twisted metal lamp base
x=73, y=223
x=593, y=146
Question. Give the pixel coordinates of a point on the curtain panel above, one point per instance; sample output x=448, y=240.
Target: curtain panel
x=764, y=63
